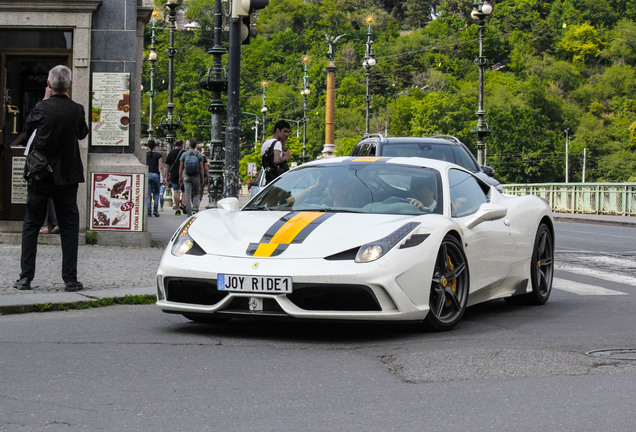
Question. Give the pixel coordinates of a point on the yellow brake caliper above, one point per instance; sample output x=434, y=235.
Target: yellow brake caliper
x=452, y=284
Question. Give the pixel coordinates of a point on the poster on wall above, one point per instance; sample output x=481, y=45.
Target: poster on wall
x=18, y=183
x=117, y=201
x=110, y=109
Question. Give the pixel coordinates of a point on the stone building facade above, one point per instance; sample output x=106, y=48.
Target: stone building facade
x=102, y=42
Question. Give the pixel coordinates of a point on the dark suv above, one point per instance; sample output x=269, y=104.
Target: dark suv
x=441, y=147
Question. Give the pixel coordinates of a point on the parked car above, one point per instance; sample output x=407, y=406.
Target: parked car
x=440, y=147
x=351, y=238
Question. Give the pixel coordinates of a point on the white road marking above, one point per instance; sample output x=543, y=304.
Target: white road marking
x=620, y=278
x=582, y=289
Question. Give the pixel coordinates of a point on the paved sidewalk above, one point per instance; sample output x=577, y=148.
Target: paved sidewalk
x=108, y=272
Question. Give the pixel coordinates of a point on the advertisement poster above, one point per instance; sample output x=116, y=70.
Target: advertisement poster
x=110, y=109
x=18, y=183
x=117, y=201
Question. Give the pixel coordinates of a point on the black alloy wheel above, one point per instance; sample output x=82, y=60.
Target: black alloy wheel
x=449, y=287
x=542, y=266
x=541, y=270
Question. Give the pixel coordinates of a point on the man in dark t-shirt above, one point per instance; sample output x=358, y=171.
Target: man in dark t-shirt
x=171, y=174
x=154, y=160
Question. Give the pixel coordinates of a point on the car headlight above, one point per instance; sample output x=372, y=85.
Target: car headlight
x=184, y=244
x=374, y=250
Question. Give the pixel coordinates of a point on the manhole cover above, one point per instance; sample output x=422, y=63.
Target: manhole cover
x=614, y=354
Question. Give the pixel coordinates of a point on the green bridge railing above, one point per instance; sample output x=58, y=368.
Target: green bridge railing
x=597, y=198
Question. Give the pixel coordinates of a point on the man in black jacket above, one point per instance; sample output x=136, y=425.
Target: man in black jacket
x=60, y=123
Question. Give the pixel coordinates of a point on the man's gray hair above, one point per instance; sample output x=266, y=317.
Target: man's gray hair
x=60, y=78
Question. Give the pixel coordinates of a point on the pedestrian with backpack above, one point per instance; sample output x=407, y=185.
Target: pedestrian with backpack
x=171, y=175
x=190, y=176
x=274, y=152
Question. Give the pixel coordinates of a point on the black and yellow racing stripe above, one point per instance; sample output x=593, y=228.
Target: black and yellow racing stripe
x=370, y=159
x=292, y=228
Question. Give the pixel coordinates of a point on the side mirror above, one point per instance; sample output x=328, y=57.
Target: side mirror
x=487, y=212
x=488, y=170
x=229, y=204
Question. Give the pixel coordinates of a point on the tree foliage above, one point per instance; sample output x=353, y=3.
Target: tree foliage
x=553, y=65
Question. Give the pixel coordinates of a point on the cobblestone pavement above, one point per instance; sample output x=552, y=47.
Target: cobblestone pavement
x=99, y=267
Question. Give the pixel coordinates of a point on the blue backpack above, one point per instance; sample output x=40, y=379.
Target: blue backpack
x=191, y=164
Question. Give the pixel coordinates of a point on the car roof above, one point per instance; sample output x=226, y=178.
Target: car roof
x=441, y=139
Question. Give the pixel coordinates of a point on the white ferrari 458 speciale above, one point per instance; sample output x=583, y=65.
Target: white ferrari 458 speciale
x=361, y=238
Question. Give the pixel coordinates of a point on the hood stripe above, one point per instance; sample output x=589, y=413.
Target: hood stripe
x=294, y=227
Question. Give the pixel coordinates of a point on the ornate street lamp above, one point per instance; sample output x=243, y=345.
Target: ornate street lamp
x=152, y=57
x=215, y=81
x=367, y=64
x=264, y=109
x=305, y=92
x=481, y=9
x=171, y=124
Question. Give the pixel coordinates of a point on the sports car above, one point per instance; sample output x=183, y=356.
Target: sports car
x=361, y=238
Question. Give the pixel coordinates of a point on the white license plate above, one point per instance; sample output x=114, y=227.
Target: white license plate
x=255, y=284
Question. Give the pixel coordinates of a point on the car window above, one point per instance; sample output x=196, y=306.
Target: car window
x=359, y=187
x=370, y=150
x=466, y=193
x=463, y=159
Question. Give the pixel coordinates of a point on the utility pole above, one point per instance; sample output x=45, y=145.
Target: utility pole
x=567, y=155
x=584, y=163
x=240, y=10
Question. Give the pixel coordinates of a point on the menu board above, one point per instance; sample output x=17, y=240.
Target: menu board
x=18, y=183
x=110, y=109
x=117, y=201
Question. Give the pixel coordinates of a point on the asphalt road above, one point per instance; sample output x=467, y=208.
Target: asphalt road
x=504, y=368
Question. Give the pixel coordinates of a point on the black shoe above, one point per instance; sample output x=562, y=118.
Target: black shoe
x=73, y=286
x=22, y=284
x=182, y=207
x=156, y=214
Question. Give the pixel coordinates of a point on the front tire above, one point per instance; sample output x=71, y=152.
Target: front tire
x=449, y=287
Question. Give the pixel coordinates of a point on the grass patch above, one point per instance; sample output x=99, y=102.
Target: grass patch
x=91, y=237
x=103, y=302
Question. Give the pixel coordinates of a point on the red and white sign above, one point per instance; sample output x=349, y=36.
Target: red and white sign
x=117, y=201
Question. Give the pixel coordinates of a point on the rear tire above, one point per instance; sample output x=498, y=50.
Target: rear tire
x=541, y=269
x=449, y=287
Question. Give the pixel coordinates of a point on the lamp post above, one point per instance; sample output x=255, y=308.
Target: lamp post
x=152, y=57
x=256, y=123
x=171, y=124
x=481, y=9
x=215, y=81
x=367, y=64
x=264, y=109
x=305, y=92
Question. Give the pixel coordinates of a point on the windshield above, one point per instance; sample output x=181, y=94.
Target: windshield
x=356, y=187
x=450, y=153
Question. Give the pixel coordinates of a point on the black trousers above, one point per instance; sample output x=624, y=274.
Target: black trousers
x=65, y=200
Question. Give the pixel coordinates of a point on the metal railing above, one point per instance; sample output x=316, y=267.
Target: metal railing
x=596, y=198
